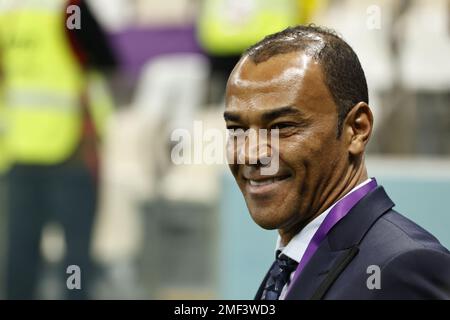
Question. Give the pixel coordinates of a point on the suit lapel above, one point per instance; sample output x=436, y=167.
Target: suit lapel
x=339, y=247
x=339, y=265
x=317, y=272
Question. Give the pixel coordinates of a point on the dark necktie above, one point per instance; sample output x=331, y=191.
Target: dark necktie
x=278, y=277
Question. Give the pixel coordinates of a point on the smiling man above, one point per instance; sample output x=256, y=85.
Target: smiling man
x=338, y=235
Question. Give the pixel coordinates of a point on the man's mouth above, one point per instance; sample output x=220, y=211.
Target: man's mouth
x=267, y=181
x=264, y=186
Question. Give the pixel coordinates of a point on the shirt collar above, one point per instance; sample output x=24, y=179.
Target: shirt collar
x=298, y=244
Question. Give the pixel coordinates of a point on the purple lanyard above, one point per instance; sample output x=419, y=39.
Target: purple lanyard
x=339, y=211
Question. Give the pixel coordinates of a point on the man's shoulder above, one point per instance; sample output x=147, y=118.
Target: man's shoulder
x=411, y=261
x=402, y=234
x=394, y=234
x=398, y=244
x=414, y=264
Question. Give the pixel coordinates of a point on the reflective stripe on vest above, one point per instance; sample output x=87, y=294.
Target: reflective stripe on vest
x=41, y=100
x=12, y=5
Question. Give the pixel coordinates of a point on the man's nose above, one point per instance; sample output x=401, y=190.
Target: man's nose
x=255, y=150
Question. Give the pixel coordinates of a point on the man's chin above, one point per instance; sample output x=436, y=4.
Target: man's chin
x=265, y=218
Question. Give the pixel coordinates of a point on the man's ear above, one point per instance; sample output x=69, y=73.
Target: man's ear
x=358, y=128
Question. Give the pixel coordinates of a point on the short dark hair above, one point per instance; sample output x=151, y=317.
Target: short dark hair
x=343, y=73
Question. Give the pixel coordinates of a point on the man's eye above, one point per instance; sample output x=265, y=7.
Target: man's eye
x=280, y=126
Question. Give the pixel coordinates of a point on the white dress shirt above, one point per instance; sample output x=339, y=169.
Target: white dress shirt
x=296, y=247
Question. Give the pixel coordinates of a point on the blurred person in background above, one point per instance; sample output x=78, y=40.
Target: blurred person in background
x=226, y=28
x=3, y=170
x=52, y=121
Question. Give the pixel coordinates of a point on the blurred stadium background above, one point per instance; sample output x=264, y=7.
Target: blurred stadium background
x=165, y=231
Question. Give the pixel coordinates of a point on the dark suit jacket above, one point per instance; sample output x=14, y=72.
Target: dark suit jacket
x=412, y=263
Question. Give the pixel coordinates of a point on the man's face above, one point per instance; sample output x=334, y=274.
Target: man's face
x=288, y=93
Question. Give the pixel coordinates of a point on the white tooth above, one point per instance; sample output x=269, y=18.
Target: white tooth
x=261, y=182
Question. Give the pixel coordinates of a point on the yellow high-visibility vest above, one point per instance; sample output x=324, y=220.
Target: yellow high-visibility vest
x=42, y=82
x=4, y=158
x=228, y=27
x=309, y=8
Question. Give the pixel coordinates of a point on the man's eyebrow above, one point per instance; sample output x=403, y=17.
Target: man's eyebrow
x=279, y=112
x=231, y=116
x=266, y=116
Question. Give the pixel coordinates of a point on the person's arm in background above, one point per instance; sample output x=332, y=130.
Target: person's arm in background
x=96, y=56
x=90, y=42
